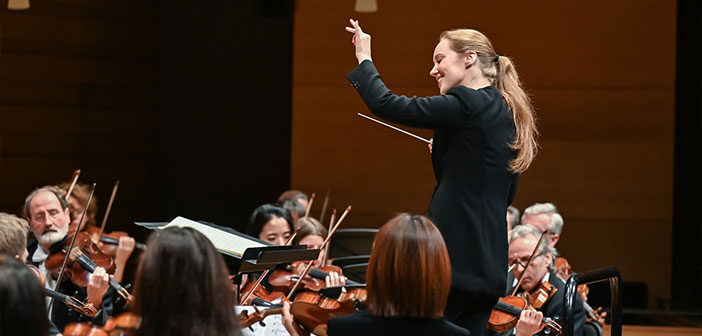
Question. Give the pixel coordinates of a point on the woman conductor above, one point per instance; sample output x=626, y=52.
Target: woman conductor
x=484, y=137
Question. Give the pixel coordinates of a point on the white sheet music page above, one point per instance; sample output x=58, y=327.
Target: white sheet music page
x=222, y=240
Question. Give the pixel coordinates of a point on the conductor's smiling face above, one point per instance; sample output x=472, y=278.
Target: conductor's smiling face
x=450, y=67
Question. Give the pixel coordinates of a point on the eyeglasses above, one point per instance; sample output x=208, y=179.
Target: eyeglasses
x=520, y=262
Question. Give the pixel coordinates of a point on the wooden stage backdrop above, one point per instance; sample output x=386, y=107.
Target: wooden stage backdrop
x=601, y=74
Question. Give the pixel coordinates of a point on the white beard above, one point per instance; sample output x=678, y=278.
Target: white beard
x=53, y=236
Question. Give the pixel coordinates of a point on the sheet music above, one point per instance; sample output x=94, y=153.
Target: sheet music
x=222, y=240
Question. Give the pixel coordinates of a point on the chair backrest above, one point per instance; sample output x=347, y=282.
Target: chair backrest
x=351, y=242
x=591, y=328
x=356, y=272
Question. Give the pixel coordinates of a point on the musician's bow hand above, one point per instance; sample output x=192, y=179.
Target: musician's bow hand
x=529, y=322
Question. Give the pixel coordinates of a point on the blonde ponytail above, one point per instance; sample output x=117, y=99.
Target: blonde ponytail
x=503, y=75
x=507, y=82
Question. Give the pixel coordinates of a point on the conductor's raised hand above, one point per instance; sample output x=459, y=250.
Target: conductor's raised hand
x=361, y=40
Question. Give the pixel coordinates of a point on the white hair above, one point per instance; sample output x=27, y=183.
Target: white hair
x=522, y=231
x=556, y=225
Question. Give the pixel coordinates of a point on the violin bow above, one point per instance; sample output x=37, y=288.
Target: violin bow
x=326, y=248
x=73, y=242
x=394, y=128
x=324, y=206
x=533, y=253
x=74, y=180
x=309, y=206
x=260, y=279
x=109, y=207
x=324, y=244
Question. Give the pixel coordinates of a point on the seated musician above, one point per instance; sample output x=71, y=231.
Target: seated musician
x=312, y=233
x=512, y=217
x=79, y=196
x=13, y=242
x=296, y=196
x=182, y=287
x=408, y=280
x=539, y=279
x=23, y=311
x=76, y=201
x=13, y=236
x=271, y=224
x=545, y=217
x=49, y=217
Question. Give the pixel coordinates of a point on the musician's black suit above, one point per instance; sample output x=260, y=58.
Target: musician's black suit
x=471, y=155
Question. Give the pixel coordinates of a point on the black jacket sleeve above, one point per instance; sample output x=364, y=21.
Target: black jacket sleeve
x=436, y=112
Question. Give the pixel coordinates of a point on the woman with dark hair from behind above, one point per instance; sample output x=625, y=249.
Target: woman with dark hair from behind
x=22, y=305
x=182, y=287
x=271, y=224
x=408, y=281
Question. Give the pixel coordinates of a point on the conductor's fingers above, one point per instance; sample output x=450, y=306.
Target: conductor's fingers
x=358, y=27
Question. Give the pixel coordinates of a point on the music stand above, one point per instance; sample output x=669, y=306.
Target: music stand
x=348, y=242
x=249, y=254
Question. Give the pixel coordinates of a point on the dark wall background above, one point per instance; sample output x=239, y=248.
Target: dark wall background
x=186, y=103
x=687, y=225
x=224, y=97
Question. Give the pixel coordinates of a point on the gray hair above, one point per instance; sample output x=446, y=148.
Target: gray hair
x=522, y=231
x=13, y=234
x=513, y=215
x=56, y=191
x=556, y=225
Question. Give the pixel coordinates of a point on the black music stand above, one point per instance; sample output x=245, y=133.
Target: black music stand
x=254, y=259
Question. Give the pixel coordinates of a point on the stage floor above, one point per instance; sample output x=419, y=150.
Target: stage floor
x=633, y=330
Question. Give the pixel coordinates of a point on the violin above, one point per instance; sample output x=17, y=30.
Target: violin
x=260, y=293
x=83, y=249
x=312, y=310
x=110, y=241
x=284, y=279
x=125, y=324
x=507, y=311
x=83, y=259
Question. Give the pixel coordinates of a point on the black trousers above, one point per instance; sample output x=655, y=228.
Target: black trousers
x=469, y=310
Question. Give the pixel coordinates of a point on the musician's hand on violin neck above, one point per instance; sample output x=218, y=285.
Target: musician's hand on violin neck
x=125, y=247
x=335, y=279
x=97, y=286
x=529, y=322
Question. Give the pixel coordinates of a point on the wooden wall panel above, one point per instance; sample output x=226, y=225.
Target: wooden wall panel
x=602, y=78
x=78, y=90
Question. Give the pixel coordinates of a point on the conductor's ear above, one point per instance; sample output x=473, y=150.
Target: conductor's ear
x=471, y=58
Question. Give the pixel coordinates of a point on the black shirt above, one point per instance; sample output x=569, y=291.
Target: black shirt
x=471, y=156
x=367, y=324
